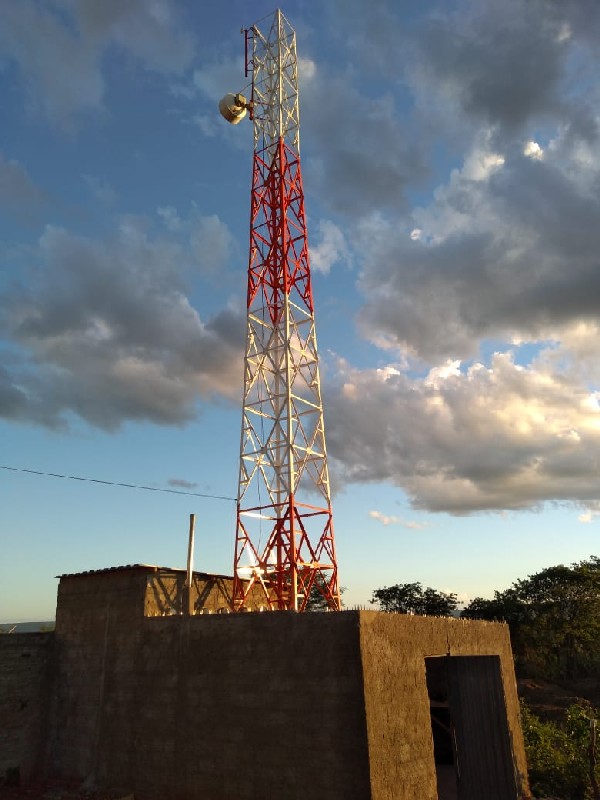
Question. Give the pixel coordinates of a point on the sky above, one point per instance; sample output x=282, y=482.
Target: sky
x=451, y=163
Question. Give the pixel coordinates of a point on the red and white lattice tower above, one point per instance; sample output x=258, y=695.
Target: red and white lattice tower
x=284, y=539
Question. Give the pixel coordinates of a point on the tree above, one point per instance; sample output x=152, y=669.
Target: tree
x=554, y=619
x=558, y=753
x=316, y=598
x=411, y=598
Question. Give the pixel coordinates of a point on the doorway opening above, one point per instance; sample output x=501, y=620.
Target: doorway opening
x=442, y=728
x=469, y=725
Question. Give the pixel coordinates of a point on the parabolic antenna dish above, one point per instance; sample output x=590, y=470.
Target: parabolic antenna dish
x=233, y=107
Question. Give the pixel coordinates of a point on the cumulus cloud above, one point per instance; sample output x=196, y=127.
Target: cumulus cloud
x=216, y=78
x=485, y=438
x=106, y=332
x=533, y=150
x=211, y=242
x=330, y=249
x=503, y=257
x=58, y=47
x=507, y=253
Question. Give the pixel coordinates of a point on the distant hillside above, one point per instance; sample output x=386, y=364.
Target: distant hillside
x=27, y=627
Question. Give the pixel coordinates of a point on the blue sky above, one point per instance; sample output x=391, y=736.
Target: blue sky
x=451, y=165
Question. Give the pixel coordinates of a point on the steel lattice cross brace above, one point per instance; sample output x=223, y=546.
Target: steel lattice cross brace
x=284, y=539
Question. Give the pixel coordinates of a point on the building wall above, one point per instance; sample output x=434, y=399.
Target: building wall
x=25, y=673
x=97, y=632
x=250, y=706
x=242, y=705
x=393, y=651
x=255, y=705
x=211, y=594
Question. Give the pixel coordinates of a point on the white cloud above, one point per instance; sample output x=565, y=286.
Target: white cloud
x=532, y=149
x=170, y=217
x=209, y=124
x=211, y=242
x=463, y=599
x=217, y=78
x=479, y=165
x=514, y=255
x=307, y=69
x=392, y=520
x=331, y=247
x=488, y=438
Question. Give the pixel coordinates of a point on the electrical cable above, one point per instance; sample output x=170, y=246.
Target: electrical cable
x=115, y=483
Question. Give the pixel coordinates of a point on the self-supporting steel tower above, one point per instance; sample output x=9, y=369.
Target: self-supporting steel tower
x=284, y=538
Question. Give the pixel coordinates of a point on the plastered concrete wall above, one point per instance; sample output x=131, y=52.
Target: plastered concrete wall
x=244, y=706
x=98, y=622
x=99, y=625
x=272, y=705
x=25, y=673
x=239, y=706
x=266, y=706
x=393, y=651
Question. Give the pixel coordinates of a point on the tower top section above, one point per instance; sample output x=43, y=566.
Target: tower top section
x=272, y=65
x=271, y=60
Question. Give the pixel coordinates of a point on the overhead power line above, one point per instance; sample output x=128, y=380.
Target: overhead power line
x=116, y=483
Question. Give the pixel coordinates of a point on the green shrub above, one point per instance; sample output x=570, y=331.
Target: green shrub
x=557, y=753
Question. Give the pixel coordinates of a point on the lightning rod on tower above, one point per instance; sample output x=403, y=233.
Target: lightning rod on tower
x=284, y=541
